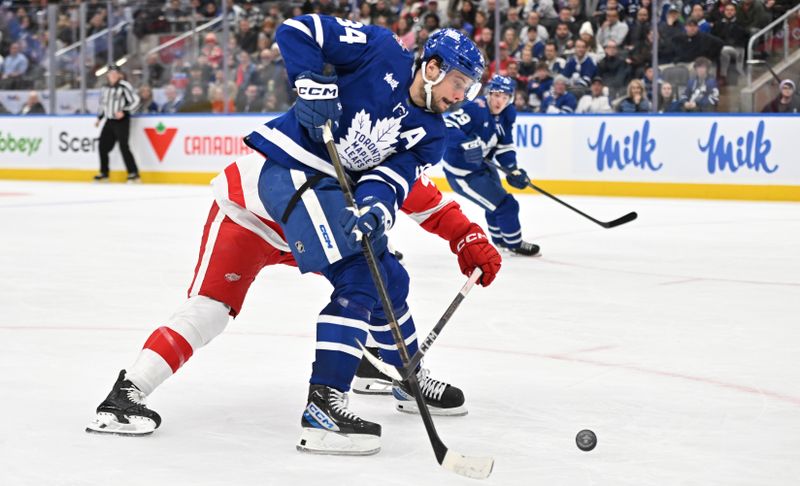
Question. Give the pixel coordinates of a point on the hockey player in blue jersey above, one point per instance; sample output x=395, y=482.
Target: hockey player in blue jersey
x=386, y=112
x=483, y=129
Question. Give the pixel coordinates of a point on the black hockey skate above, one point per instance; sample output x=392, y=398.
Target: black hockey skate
x=442, y=398
x=525, y=249
x=369, y=380
x=100, y=177
x=329, y=427
x=124, y=412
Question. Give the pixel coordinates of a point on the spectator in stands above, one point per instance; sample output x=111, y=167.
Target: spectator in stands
x=212, y=50
x=539, y=85
x=752, y=15
x=173, y=104
x=406, y=34
x=246, y=37
x=544, y=8
x=580, y=69
x=786, y=102
x=694, y=44
x=512, y=20
x=268, y=27
x=527, y=65
x=596, y=101
x=671, y=27
x=613, y=70
x=252, y=13
x=520, y=102
x=466, y=12
x=217, y=97
x=513, y=72
x=587, y=35
x=647, y=80
x=484, y=42
x=555, y=63
x=500, y=66
x=512, y=40
x=578, y=13
x=562, y=38
x=637, y=33
x=249, y=100
x=667, y=100
x=155, y=70
x=271, y=104
x=15, y=66
x=717, y=11
x=210, y=10
x=176, y=14
x=533, y=43
x=636, y=101
x=734, y=39
x=701, y=92
x=698, y=14
x=565, y=17
x=532, y=23
x=219, y=82
x=32, y=105
x=195, y=101
x=559, y=100
x=146, y=102
x=642, y=55
x=612, y=29
x=246, y=72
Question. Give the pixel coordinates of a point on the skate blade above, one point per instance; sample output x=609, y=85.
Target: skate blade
x=319, y=441
x=411, y=407
x=107, y=423
x=371, y=386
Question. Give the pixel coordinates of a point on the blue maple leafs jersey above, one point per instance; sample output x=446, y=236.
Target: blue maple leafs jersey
x=496, y=133
x=383, y=139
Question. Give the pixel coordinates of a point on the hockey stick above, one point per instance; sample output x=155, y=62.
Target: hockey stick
x=605, y=224
x=404, y=372
x=471, y=467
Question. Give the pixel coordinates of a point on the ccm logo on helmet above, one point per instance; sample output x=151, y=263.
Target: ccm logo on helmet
x=469, y=239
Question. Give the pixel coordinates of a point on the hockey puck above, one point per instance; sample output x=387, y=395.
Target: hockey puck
x=586, y=440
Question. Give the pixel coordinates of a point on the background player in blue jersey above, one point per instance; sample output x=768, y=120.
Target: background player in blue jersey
x=386, y=112
x=483, y=129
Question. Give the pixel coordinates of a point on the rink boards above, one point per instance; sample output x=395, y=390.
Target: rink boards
x=702, y=156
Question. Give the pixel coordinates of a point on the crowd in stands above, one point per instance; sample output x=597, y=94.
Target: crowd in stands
x=564, y=58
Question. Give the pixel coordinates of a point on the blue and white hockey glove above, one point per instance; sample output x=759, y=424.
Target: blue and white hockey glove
x=317, y=102
x=518, y=178
x=371, y=220
x=473, y=152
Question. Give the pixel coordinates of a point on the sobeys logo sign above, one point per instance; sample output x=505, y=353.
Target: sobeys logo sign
x=24, y=145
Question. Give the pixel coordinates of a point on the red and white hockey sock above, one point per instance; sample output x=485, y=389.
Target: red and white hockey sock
x=194, y=324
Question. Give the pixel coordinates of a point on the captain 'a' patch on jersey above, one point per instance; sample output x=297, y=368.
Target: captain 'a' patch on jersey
x=381, y=135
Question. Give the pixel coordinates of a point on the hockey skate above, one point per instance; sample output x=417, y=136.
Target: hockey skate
x=442, y=398
x=124, y=412
x=369, y=380
x=524, y=249
x=329, y=427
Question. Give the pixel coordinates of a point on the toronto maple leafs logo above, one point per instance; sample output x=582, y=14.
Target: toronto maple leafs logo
x=366, y=144
x=389, y=78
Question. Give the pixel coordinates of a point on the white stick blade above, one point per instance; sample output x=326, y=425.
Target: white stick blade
x=384, y=368
x=471, y=467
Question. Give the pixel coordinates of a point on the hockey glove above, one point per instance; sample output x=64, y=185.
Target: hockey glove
x=317, y=102
x=518, y=178
x=473, y=152
x=474, y=250
x=371, y=220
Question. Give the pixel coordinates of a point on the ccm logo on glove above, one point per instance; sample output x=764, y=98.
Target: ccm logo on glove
x=309, y=89
x=470, y=238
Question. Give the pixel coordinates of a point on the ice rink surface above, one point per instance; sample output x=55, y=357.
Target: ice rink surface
x=676, y=338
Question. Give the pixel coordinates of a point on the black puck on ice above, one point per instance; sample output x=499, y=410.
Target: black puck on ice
x=586, y=440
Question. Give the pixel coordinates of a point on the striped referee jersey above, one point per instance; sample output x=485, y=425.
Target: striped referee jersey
x=119, y=97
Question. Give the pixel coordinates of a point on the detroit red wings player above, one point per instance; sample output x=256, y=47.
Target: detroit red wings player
x=239, y=239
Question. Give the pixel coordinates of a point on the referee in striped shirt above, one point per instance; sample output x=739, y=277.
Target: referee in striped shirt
x=118, y=100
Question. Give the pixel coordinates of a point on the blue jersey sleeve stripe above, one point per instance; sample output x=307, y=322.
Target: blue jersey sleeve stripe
x=394, y=177
x=285, y=143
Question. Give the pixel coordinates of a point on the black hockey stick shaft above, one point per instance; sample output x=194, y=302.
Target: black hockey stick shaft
x=605, y=224
x=439, y=448
x=437, y=329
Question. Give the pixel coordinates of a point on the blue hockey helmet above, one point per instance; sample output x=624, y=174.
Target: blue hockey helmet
x=458, y=52
x=502, y=84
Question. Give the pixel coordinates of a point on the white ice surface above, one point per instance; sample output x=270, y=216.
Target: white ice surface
x=676, y=338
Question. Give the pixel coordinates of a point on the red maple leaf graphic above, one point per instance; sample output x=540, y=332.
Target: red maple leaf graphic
x=160, y=139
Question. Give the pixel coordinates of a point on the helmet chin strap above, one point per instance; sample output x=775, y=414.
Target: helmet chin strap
x=428, y=86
